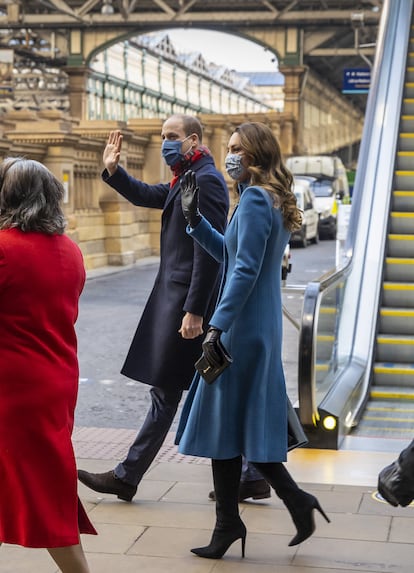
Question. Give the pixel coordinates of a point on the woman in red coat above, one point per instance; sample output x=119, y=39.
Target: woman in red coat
x=41, y=278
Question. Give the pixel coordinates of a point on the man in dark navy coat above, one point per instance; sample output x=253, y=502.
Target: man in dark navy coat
x=168, y=339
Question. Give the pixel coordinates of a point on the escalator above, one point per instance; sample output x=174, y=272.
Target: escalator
x=390, y=409
x=356, y=347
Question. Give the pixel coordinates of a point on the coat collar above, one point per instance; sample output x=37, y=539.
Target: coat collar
x=206, y=160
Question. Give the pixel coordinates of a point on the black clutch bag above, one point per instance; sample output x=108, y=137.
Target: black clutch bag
x=210, y=373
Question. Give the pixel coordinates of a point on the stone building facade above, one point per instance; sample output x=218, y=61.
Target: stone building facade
x=133, y=86
x=108, y=229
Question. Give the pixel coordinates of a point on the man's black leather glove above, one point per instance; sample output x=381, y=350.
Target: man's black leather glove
x=189, y=198
x=210, y=347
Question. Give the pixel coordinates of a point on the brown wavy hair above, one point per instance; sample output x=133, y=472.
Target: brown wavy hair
x=268, y=170
x=30, y=197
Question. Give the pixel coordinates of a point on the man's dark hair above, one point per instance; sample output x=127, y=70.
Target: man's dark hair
x=191, y=125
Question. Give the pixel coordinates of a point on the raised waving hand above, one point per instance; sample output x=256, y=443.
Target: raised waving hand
x=112, y=152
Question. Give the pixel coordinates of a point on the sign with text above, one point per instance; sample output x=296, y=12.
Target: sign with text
x=356, y=80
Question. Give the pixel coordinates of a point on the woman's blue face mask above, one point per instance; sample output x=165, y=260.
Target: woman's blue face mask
x=234, y=167
x=171, y=150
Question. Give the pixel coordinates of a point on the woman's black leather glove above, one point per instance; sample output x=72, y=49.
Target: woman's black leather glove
x=189, y=198
x=210, y=347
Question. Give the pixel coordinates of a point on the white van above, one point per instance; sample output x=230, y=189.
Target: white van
x=329, y=183
x=321, y=167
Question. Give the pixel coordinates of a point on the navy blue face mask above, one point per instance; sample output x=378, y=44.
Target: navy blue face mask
x=171, y=151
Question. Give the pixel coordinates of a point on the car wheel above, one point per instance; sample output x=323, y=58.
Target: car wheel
x=332, y=233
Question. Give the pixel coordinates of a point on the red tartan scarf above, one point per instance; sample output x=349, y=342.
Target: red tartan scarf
x=187, y=161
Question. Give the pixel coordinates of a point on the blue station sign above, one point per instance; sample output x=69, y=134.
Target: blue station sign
x=356, y=80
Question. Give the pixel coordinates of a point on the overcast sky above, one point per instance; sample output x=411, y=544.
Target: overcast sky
x=225, y=49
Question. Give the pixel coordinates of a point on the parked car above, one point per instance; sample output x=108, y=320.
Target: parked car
x=327, y=197
x=310, y=217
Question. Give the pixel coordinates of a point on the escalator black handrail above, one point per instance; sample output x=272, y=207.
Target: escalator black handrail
x=309, y=327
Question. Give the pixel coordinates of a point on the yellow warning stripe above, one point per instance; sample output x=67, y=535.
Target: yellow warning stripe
x=406, y=135
x=389, y=429
x=325, y=338
x=322, y=367
x=406, y=410
x=396, y=312
x=391, y=395
x=402, y=214
x=394, y=237
x=386, y=419
x=398, y=286
x=409, y=84
x=327, y=310
x=403, y=193
x=391, y=370
x=402, y=341
x=399, y=261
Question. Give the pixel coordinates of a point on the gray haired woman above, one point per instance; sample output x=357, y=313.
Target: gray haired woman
x=41, y=278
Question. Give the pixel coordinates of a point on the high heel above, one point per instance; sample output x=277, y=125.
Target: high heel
x=299, y=503
x=221, y=541
x=303, y=517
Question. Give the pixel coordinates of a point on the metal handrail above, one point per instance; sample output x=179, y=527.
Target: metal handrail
x=286, y=312
x=307, y=335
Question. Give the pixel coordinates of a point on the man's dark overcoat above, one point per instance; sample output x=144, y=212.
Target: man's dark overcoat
x=187, y=281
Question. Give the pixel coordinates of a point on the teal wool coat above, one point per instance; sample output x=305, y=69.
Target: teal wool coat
x=245, y=410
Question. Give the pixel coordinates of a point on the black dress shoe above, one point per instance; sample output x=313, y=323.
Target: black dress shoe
x=256, y=489
x=108, y=483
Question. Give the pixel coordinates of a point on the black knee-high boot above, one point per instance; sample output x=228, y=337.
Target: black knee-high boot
x=299, y=503
x=229, y=527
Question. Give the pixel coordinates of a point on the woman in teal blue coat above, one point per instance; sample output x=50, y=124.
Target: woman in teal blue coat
x=244, y=412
